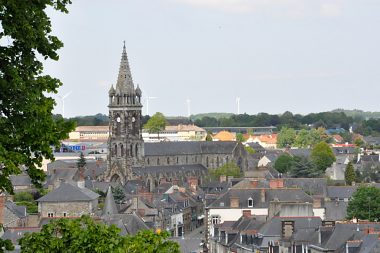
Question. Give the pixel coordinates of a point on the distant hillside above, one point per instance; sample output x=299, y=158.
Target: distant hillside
x=216, y=115
x=359, y=114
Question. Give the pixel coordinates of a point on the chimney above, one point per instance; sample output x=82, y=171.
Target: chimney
x=317, y=203
x=262, y=195
x=247, y=214
x=222, y=178
x=234, y=202
x=328, y=223
x=276, y=183
x=287, y=229
x=81, y=178
x=369, y=230
x=2, y=204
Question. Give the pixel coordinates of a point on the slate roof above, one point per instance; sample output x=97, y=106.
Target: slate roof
x=294, y=195
x=314, y=186
x=340, y=191
x=188, y=148
x=59, y=164
x=14, y=234
x=109, y=204
x=302, y=152
x=372, y=140
x=21, y=180
x=256, y=146
x=168, y=169
x=336, y=210
x=132, y=223
x=67, y=192
x=273, y=227
x=19, y=211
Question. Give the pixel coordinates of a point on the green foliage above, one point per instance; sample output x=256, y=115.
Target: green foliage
x=81, y=163
x=156, y=123
x=5, y=244
x=370, y=173
x=28, y=129
x=26, y=199
x=84, y=235
x=304, y=168
x=250, y=150
x=349, y=174
x=240, y=137
x=228, y=169
x=209, y=137
x=286, y=137
x=23, y=196
x=118, y=194
x=365, y=204
x=284, y=163
x=322, y=156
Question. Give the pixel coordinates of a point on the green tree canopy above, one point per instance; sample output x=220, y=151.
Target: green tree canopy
x=156, y=123
x=349, y=174
x=322, y=156
x=81, y=163
x=284, y=163
x=240, y=137
x=118, y=194
x=302, y=167
x=228, y=169
x=250, y=150
x=84, y=235
x=365, y=204
x=28, y=129
x=286, y=137
x=209, y=136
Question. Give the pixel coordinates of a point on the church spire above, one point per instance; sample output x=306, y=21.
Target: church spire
x=124, y=83
x=109, y=204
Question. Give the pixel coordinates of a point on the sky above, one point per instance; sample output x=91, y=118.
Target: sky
x=276, y=55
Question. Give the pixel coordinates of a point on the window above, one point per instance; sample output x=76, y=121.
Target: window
x=64, y=214
x=215, y=219
x=50, y=215
x=147, y=161
x=167, y=160
x=250, y=202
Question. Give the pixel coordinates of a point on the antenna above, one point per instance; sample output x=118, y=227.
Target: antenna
x=238, y=104
x=63, y=102
x=188, y=102
x=147, y=103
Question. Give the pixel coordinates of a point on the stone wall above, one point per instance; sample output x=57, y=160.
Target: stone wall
x=72, y=209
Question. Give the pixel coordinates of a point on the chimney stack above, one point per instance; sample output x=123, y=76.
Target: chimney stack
x=247, y=214
x=262, y=195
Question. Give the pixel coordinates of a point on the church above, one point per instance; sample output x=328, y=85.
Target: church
x=130, y=158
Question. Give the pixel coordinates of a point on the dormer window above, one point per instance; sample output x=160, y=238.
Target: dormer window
x=250, y=202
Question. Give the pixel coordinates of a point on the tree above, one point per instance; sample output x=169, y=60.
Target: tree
x=228, y=169
x=240, y=137
x=322, y=156
x=84, y=235
x=286, y=137
x=81, y=163
x=302, y=167
x=28, y=129
x=365, y=204
x=250, y=150
x=349, y=174
x=283, y=163
x=156, y=123
x=209, y=136
x=118, y=194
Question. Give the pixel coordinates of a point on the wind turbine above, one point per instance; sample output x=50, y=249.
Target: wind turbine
x=238, y=104
x=147, y=103
x=188, y=102
x=63, y=102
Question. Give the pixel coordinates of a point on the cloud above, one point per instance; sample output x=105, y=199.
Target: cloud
x=276, y=8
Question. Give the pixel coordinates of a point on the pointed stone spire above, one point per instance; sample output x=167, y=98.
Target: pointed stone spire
x=124, y=83
x=109, y=204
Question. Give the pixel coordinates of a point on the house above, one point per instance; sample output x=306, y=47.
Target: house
x=13, y=215
x=224, y=136
x=340, y=193
x=85, y=133
x=231, y=205
x=268, y=141
x=347, y=237
x=269, y=158
x=181, y=132
x=21, y=183
x=337, y=169
x=68, y=200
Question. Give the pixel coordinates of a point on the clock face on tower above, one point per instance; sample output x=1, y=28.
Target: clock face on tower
x=133, y=119
x=118, y=120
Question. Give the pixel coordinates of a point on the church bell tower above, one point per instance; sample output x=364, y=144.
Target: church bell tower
x=125, y=143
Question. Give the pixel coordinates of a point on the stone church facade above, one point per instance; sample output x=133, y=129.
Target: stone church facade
x=130, y=158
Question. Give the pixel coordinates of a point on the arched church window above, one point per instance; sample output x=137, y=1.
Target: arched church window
x=147, y=161
x=158, y=161
x=115, y=150
x=121, y=150
x=137, y=150
x=177, y=159
x=207, y=161
x=131, y=150
x=167, y=160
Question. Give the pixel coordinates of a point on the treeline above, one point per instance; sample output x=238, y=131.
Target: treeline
x=94, y=120
x=288, y=119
